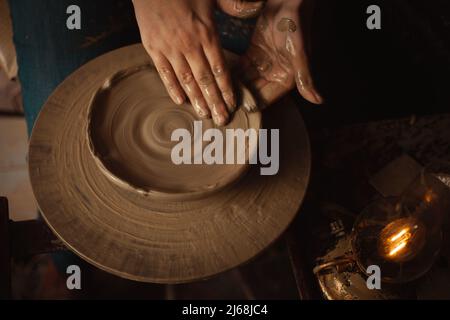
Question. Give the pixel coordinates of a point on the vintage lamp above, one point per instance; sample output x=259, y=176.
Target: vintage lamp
x=402, y=235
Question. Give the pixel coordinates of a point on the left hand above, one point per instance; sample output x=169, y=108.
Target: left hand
x=276, y=60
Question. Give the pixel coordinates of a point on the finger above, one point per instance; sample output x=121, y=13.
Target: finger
x=207, y=84
x=299, y=61
x=265, y=91
x=187, y=81
x=241, y=8
x=168, y=77
x=247, y=99
x=216, y=60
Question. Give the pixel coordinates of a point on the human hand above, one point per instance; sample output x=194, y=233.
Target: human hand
x=276, y=60
x=241, y=8
x=181, y=39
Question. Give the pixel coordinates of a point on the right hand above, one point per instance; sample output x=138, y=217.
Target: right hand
x=182, y=41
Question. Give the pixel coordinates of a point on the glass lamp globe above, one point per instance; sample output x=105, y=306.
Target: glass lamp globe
x=402, y=235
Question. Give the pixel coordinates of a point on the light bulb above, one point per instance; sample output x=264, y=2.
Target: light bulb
x=402, y=239
x=396, y=235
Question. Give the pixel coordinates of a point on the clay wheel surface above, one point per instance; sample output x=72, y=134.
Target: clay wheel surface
x=147, y=237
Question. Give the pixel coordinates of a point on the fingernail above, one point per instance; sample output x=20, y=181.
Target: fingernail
x=201, y=113
x=249, y=108
x=318, y=98
x=200, y=108
x=176, y=97
x=230, y=101
x=306, y=89
x=310, y=95
x=219, y=120
x=248, y=100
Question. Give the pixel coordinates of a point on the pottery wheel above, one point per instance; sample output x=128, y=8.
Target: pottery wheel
x=145, y=235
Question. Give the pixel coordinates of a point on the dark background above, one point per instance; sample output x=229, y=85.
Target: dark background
x=397, y=71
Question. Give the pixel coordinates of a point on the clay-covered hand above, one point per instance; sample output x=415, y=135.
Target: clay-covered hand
x=276, y=60
x=241, y=8
x=182, y=41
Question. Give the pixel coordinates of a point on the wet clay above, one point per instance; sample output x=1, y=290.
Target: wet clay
x=131, y=122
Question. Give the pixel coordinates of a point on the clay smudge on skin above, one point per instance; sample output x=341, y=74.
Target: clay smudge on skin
x=286, y=24
x=130, y=125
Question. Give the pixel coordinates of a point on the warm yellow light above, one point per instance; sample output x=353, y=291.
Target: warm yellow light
x=398, y=241
x=429, y=196
x=401, y=239
x=399, y=234
x=397, y=248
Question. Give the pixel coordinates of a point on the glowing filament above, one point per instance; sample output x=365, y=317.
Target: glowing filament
x=398, y=241
x=402, y=239
x=399, y=234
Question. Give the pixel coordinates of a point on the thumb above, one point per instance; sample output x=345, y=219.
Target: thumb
x=241, y=8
